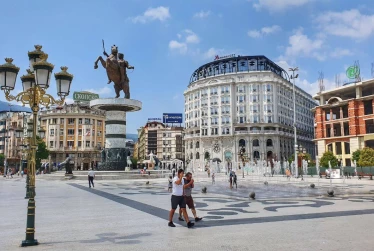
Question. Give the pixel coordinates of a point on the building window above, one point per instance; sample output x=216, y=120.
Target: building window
x=88, y=144
x=70, y=131
x=61, y=144
x=368, y=107
x=256, y=142
x=79, y=143
x=256, y=155
x=51, y=144
x=338, y=148
x=214, y=131
x=197, y=155
x=52, y=132
x=70, y=144
x=197, y=144
x=87, y=121
x=80, y=121
x=347, y=148
x=241, y=143
x=62, y=121
x=71, y=121
x=269, y=142
x=369, y=125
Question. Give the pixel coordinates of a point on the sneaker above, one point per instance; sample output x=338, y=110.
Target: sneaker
x=180, y=219
x=190, y=224
x=171, y=224
x=198, y=219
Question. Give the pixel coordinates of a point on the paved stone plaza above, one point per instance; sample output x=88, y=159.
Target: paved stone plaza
x=131, y=215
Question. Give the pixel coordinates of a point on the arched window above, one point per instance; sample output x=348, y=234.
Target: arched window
x=197, y=155
x=256, y=142
x=242, y=143
x=191, y=145
x=197, y=144
x=256, y=154
x=269, y=142
x=206, y=155
x=191, y=156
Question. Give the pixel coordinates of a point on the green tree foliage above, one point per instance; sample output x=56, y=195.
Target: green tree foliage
x=2, y=157
x=305, y=156
x=356, y=155
x=134, y=162
x=329, y=156
x=366, y=157
x=41, y=153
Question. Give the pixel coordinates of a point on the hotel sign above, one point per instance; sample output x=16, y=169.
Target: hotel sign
x=223, y=57
x=84, y=96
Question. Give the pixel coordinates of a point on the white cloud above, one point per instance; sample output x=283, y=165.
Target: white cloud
x=300, y=45
x=254, y=33
x=211, y=53
x=175, y=97
x=278, y=5
x=339, y=52
x=177, y=46
x=159, y=13
x=190, y=37
x=264, y=31
x=102, y=91
x=350, y=23
x=69, y=100
x=202, y=14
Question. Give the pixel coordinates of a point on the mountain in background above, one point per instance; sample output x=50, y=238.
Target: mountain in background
x=4, y=107
x=132, y=136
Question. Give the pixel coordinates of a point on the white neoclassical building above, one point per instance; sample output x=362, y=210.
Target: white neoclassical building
x=244, y=102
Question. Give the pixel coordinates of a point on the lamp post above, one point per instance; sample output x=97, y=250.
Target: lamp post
x=35, y=83
x=293, y=76
x=6, y=137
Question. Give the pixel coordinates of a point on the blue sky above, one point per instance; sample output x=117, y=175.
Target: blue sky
x=167, y=40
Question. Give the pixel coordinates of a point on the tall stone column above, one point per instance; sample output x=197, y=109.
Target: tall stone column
x=115, y=153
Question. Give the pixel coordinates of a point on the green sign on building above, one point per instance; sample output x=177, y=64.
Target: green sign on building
x=84, y=96
x=352, y=72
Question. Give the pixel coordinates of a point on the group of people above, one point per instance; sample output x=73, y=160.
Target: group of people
x=9, y=174
x=181, y=187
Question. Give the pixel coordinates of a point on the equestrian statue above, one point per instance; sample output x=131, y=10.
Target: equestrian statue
x=116, y=66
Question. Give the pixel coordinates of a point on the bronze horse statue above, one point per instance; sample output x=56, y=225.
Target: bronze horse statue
x=116, y=67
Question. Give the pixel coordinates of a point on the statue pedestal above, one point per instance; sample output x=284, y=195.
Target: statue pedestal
x=115, y=152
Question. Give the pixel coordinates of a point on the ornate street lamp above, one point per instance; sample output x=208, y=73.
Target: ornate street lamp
x=34, y=94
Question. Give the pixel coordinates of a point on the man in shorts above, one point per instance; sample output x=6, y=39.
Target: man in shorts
x=177, y=198
x=188, y=197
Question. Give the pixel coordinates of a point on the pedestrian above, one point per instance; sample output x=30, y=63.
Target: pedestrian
x=213, y=179
x=188, y=197
x=170, y=186
x=22, y=174
x=235, y=182
x=208, y=172
x=177, y=199
x=91, y=177
x=230, y=180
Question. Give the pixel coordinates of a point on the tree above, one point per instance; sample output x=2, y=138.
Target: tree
x=41, y=153
x=329, y=156
x=305, y=156
x=367, y=158
x=356, y=155
x=134, y=162
x=2, y=158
